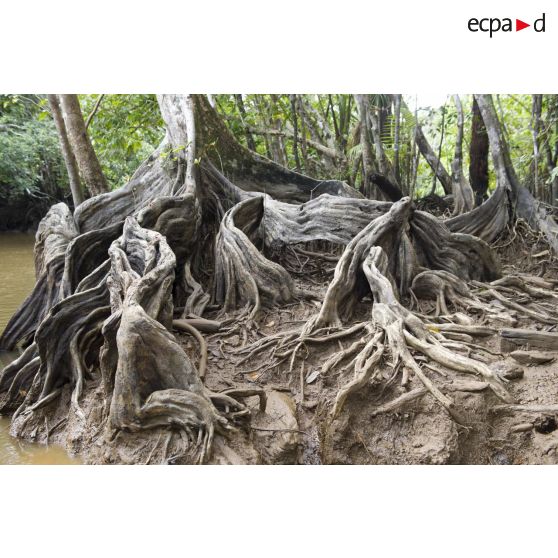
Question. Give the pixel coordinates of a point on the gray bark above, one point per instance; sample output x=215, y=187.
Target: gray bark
x=67, y=153
x=367, y=162
x=527, y=207
x=478, y=156
x=463, y=197
x=431, y=157
x=82, y=148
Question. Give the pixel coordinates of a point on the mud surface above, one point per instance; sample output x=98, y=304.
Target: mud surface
x=296, y=427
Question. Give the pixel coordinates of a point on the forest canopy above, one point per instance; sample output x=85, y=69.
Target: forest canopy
x=317, y=135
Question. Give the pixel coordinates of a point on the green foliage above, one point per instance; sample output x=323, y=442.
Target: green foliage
x=514, y=112
x=124, y=131
x=338, y=113
x=274, y=112
x=432, y=121
x=30, y=159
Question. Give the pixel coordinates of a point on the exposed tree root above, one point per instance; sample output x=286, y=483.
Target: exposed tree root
x=364, y=268
x=365, y=365
x=185, y=326
x=154, y=381
x=408, y=297
x=242, y=275
x=55, y=232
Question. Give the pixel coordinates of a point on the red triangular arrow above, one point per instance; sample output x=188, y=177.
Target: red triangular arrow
x=519, y=25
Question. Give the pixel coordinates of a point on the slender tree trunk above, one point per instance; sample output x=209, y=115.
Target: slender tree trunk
x=396, y=136
x=334, y=118
x=277, y=124
x=319, y=132
x=478, y=156
x=462, y=193
x=438, y=159
x=414, y=159
x=317, y=124
x=94, y=111
x=551, y=148
x=345, y=112
x=386, y=182
x=367, y=165
x=67, y=153
x=295, y=132
x=414, y=169
x=87, y=161
x=431, y=158
x=303, y=139
x=242, y=111
x=376, y=131
x=536, y=110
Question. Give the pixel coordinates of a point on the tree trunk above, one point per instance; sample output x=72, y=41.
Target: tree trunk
x=431, y=158
x=295, y=131
x=82, y=148
x=478, y=156
x=535, y=125
x=67, y=153
x=367, y=163
x=463, y=199
x=242, y=111
x=490, y=219
x=551, y=148
x=396, y=137
x=510, y=199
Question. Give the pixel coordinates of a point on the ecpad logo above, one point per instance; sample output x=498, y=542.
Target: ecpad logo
x=494, y=24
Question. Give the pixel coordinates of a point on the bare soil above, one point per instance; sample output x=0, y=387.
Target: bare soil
x=296, y=427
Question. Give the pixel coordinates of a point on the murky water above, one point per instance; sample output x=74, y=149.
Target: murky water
x=17, y=278
x=17, y=273
x=16, y=452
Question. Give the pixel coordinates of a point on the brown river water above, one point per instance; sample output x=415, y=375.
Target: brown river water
x=17, y=278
